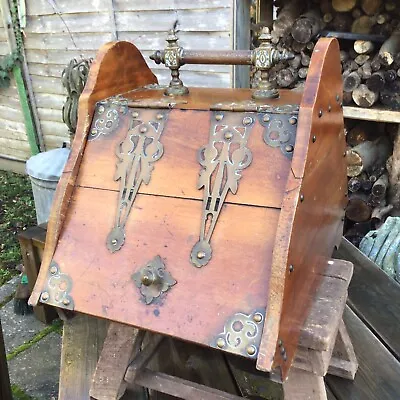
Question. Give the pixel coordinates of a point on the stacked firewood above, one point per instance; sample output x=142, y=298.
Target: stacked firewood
x=370, y=65
x=369, y=171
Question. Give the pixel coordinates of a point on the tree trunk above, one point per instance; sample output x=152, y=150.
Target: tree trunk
x=390, y=49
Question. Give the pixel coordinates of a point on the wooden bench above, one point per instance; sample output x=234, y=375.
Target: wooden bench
x=32, y=242
x=372, y=318
x=183, y=370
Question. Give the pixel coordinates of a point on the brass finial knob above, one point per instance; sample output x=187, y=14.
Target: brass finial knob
x=264, y=57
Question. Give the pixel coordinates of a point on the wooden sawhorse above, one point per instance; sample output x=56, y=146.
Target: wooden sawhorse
x=131, y=360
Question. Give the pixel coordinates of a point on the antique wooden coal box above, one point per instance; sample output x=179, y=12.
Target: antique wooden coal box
x=204, y=214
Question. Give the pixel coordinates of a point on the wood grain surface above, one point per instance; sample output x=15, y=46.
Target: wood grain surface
x=118, y=67
x=310, y=220
x=176, y=173
x=196, y=308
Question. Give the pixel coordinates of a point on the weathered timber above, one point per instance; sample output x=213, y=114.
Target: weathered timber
x=363, y=46
x=364, y=97
x=362, y=25
x=377, y=81
x=286, y=17
x=357, y=209
x=343, y=5
x=390, y=95
x=342, y=22
x=366, y=155
x=393, y=167
x=390, y=48
x=371, y=7
x=361, y=59
x=307, y=26
x=351, y=81
x=380, y=186
x=380, y=212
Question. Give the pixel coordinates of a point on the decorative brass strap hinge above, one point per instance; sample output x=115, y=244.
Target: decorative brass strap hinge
x=222, y=159
x=136, y=156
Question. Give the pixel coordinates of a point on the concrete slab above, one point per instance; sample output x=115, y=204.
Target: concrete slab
x=36, y=370
x=18, y=329
x=8, y=288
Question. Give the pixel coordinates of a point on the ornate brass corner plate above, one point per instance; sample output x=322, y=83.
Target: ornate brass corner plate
x=153, y=280
x=57, y=288
x=241, y=334
x=222, y=159
x=136, y=156
x=279, y=131
x=107, y=116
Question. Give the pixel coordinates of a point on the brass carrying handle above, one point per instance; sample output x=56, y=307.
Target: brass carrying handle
x=262, y=58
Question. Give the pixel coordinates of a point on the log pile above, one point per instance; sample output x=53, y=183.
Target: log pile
x=373, y=184
x=370, y=64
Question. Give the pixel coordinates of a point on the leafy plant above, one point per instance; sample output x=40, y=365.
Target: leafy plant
x=7, y=64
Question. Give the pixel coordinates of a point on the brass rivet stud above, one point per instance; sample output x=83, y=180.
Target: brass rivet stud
x=266, y=118
x=247, y=120
x=228, y=135
x=284, y=356
x=292, y=120
x=66, y=302
x=289, y=148
x=53, y=269
x=135, y=114
x=114, y=242
x=101, y=109
x=251, y=350
x=302, y=197
x=280, y=343
x=257, y=317
x=337, y=98
x=94, y=131
x=320, y=113
x=45, y=296
x=218, y=117
x=159, y=116
x=143, y=129
x=329, y=108
x=344, y=154
x=291, y=268
x=220, y=343
x=201, y=255
x=314, y=139
x=283, y=351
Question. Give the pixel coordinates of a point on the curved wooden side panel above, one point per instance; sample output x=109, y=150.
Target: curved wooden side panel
x=310, y=222
x=118, y=67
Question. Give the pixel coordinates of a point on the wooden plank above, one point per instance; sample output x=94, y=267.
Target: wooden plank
x=120, y=346
x=54, y=70
x=320, y=328
x=142, y=5
x=50, y=114
x=54, y=101
x=19, y=145
x=5, y=388
x=11, y=101
x=9, y=134
x=210, y=20
x=53, y=128
x=45, y=84
x=302, y=385
x=343, y=362
x=371, y=114
x=9, y=124
x=378, y=374
x=20, y=155
x=55, y=142
x=43, y=7
x=11, y=113
x=373, y=296
x=82, y=342
x=180, y=388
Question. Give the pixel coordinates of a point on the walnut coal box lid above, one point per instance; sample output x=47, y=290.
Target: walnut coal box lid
x=200, y=213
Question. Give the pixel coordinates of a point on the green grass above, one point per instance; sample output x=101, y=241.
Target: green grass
x=56, y=326
x=19, y=394
x=17, y=211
